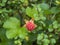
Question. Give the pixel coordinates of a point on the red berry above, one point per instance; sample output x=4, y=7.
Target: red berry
x=30, y=26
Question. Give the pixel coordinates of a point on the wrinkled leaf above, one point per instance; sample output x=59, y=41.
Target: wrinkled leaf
x=12, y=22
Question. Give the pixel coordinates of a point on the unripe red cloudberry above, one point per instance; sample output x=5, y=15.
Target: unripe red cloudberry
x=30, y=25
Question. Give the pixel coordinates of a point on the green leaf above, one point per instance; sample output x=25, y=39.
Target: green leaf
x=44, y=6
x=13, y=28
x=1, y=11
x=22, y=0
x=11, y=33
x=32, y=12
x=55, y=24
x=53, y=41
x=12, y=22
x=40, y=28
x=54, y=10
x=50, y=28
x=45, y=36
x=39, y=8
x=43, y=23
x=50, y=35
x=29, y=12
x=47, y=12
x=46, y=41
x=59, y=29
x=18, y=42
x=35, y=13
x=2, y=35
x=45, y=44
x=3, y=1
x=41, y=16
x=22, y=32
x=40, y=36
